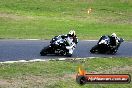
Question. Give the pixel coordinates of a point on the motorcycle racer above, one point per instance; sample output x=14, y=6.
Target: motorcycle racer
x=72, y=40
x=107, y=44
x=114, y=40
x=61, y=45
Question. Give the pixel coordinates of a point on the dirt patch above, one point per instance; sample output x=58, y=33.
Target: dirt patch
x=121, y=21
x=4, y=82
x=117, y=70
x=14, y=17
x=30, y=81
x=73, y=76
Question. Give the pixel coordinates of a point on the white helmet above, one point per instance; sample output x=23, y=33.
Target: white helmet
x=72, y=33
x=113, y=35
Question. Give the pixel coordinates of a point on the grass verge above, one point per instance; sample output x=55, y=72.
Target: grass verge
x=61, y=74
x=44, y=19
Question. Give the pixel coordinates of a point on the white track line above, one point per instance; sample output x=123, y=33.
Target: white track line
x=43, y=60
x=30, y=39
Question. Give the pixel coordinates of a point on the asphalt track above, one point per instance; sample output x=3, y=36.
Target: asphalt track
x=13, y=50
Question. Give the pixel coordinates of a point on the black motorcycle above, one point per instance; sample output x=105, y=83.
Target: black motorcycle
x=57, y=46
x=106, y=45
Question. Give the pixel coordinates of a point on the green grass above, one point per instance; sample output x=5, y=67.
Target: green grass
x=61, y=74
x=44, y=19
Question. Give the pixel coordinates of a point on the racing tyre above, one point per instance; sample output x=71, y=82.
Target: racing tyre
x=44, y=51
x=69, y=55
x=94, y=49
x=113, y=51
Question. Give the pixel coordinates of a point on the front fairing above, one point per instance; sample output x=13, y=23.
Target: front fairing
x=104, y=40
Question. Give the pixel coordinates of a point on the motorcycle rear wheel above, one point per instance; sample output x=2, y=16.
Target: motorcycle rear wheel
x=69, y=55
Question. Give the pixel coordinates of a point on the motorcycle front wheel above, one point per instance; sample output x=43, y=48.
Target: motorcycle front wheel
x=94, y=49
x=43, y=52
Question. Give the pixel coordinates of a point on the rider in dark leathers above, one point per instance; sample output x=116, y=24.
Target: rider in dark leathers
x=114, y=40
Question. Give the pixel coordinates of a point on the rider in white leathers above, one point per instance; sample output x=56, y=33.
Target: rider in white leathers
x=71, y=40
